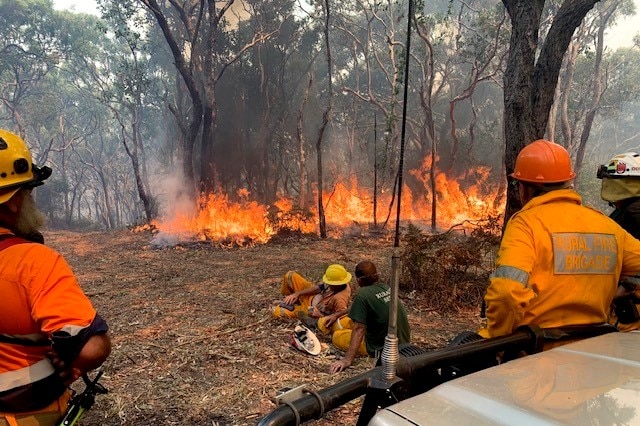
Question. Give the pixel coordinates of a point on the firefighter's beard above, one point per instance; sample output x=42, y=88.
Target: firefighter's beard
x=29, y=219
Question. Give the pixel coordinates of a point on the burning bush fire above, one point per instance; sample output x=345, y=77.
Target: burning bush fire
x=348, y=204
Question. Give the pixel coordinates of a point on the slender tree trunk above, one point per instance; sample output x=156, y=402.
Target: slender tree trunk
x=137, y=169
x=375, y=171
x=597, y=88
x=190, y=82
x=109, y=218
x=325, y=121
x=566, y=81
x=426, y=102
x=302, y=152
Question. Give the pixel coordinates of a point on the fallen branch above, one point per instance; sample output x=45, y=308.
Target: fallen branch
x=222, y=333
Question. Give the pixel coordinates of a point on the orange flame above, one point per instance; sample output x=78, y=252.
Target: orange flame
x=218, y=218
x=465, y=198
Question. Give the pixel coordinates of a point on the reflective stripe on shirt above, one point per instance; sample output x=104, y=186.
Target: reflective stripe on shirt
x=512, y=273
x=584, y=253
x=72, y=330
x=26, y=375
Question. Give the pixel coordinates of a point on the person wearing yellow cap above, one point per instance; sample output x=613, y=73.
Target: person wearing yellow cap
x=50, y=333
x=559, y=262
x=327, y=302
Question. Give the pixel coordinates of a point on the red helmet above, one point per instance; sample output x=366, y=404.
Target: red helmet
x=543, y=161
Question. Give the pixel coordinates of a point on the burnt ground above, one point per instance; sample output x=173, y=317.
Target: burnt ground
x=193, y=339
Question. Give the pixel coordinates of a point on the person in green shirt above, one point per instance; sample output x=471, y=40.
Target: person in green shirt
x=370, y=314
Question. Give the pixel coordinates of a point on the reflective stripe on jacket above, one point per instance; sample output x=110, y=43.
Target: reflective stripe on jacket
x=559, y=263
x=40, y=295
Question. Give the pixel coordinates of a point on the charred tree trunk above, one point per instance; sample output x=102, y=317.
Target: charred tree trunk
x=207, y=160
x=186, y=73
x=529, y=85
x=262, y=153
x=525, y=21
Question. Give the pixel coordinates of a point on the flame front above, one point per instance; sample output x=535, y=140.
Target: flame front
x=469, y=197
x=217, y=218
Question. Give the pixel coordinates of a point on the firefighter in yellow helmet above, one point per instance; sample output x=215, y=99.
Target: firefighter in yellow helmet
x=17, y=171
x=559, y=262
x=50, y=333
x=621, y=188
x=318, y=305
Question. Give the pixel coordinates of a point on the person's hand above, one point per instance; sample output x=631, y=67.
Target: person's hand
x=329, y=320
x=314, y=312
x=291, y=299
x=67, y=373
x=339, y=365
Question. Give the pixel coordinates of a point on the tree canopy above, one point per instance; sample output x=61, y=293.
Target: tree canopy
x=155, y=102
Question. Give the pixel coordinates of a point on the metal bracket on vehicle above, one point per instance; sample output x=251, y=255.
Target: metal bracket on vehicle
x=288, y=395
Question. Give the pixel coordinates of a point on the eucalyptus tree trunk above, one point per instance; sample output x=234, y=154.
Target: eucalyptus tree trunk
x=302, y=152
x=530, y=80
x=604, y=16
x=325, y=121
x=184, y=66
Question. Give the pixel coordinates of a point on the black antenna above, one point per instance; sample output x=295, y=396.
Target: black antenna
x=375, y=170
x=380, y=387
x=390, y=352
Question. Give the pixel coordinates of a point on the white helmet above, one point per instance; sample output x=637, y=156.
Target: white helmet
x=620, y=178
x=304, y=340
x=620, y=166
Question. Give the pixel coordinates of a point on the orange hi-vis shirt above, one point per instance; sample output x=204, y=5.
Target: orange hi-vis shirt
x=559, y=264
x=40, y=295
x=329, y=302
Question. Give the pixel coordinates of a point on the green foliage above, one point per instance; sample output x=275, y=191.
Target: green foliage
x=450, y=270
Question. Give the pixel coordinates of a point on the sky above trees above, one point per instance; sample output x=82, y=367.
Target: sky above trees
x=621, y=35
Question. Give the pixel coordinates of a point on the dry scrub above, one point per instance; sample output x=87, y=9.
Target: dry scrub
x=194, y=343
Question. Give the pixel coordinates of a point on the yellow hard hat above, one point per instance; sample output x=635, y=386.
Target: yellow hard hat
x=16, y=166
x=336, y=275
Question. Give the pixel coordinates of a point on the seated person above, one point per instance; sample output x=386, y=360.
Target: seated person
x=369, y=314
x=559, y=262
x=325, y=303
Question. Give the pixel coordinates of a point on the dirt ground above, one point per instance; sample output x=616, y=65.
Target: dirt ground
x=193, y=339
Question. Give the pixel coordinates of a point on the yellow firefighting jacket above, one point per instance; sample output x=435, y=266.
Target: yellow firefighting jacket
x=558, y=264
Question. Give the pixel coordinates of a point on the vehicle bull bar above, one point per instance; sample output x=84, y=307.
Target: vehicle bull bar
x=415, y=374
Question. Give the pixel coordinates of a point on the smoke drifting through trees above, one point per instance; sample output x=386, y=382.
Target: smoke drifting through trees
x=107, y=93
